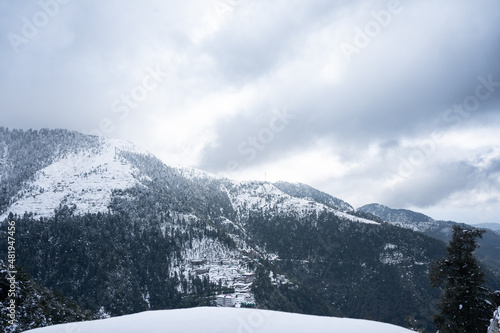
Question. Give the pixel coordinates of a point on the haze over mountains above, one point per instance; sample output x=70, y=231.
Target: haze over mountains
x=118, y=231
x=492, y=226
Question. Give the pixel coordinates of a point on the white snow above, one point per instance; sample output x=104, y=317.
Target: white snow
x=354, y=218
x=495, y=322
x=391, y=256
x=222, y=320
x=194, y=174
x=258, y=196
x=222, y=264
x=86, y=179
x=390, y=246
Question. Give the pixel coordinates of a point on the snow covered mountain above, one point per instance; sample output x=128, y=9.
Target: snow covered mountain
x=308, y=192
x=488, y=251
x=409, y=219
x=400, y=215
x=492, y=226
x=86, y=177
x=118, y=231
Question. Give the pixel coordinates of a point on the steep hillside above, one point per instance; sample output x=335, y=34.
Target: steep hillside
x=24, y=153
x=34, y=306
x=306, y=191
x=489, y=248
x=400, y=215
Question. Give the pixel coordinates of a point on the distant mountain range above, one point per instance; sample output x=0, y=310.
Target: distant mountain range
x=492, y=226
x=118, y=231
x=489, y=245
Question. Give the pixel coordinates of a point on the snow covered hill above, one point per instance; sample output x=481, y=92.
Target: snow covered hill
x=263, y=196
x=305, y=191
x=85, y=178
x=395, y=215
x=409, y=219
x=488, y=250
x=181, y=236
x=222, y=320
x=100, y=176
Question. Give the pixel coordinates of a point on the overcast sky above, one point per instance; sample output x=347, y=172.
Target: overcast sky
x=371, y=101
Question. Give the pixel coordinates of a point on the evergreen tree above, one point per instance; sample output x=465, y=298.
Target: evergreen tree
x=32, y=304
x=463, y=305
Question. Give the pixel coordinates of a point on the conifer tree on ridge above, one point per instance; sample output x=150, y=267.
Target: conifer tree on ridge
x=463, y=306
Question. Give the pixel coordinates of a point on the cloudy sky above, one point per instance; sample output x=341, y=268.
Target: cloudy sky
x=371, y=101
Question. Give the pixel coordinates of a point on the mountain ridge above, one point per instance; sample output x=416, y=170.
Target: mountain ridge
x=488, y=251
x=181, y=236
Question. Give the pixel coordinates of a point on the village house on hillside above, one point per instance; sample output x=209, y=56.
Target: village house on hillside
x=226, y=300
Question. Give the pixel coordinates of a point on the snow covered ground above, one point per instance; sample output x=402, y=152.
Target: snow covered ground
x=86, y=179
x=222, y=320
x=262, y=196
x=495, y=322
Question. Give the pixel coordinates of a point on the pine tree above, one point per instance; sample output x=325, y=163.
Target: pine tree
x=463, y=305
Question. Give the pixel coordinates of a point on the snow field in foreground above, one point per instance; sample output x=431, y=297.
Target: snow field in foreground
x=222, y=320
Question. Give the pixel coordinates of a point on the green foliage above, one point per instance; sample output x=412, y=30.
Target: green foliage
x=351, y=266
x=35, y=306
x=290, y=297
x=488, y=252
x=112, y=261
x=366, y=215
x=463, y=306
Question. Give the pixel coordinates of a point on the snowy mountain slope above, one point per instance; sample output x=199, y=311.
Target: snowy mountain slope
x=86, y=179
x=410, y=220
x=393, y=215
x=281, y=197
x=265, y=197
x=305, y=191
x=488, y=251
x=218, y=262
x=222, y=320
x=195, y=174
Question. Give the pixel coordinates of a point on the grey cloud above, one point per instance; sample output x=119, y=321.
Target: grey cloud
x=254, y=46
x=400, y=90
x=432, y=186
x=397, y=88
x=438, y=182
